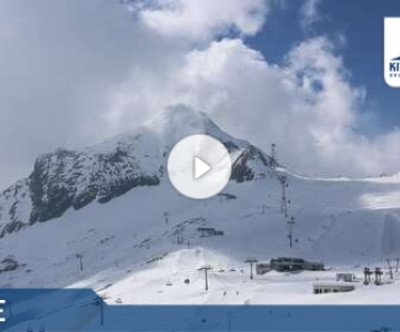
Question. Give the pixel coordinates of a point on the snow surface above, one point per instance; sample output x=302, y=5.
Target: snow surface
x=131, y=255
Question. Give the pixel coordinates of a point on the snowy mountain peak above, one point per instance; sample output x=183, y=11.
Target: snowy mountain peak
x=166, y=128
x=180, y=117
x=67, y=179
x=179, y=121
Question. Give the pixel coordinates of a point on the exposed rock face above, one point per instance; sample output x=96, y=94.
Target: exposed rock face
x=72, y=179
x=8, y=264
x=248, y=163
x=68, y=179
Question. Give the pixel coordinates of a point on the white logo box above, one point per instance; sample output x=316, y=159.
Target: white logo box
x=392, y=51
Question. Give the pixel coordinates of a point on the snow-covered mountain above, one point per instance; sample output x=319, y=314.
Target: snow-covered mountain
x=73, y=179
x=112, y=206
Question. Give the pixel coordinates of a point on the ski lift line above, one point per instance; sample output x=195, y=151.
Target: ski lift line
x=283, y=180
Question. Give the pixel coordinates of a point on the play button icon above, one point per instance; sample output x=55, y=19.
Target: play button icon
x=199, y=166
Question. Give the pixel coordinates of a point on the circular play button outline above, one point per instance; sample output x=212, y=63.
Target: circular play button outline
x=199, y=166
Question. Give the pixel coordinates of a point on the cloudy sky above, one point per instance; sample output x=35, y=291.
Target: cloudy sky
x=306, y=75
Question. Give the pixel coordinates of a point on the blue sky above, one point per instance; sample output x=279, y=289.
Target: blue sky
x=361, y=24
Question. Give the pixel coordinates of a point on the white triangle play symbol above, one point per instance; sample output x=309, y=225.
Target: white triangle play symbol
x=200, y=168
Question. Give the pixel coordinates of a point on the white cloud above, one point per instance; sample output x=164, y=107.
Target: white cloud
x=309, y=13
x=307, y=106
x=202, y=20
x=59, y=63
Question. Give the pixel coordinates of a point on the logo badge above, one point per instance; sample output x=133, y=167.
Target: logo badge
x=392, y=51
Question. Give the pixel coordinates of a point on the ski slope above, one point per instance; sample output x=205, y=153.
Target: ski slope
x=131, y=252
